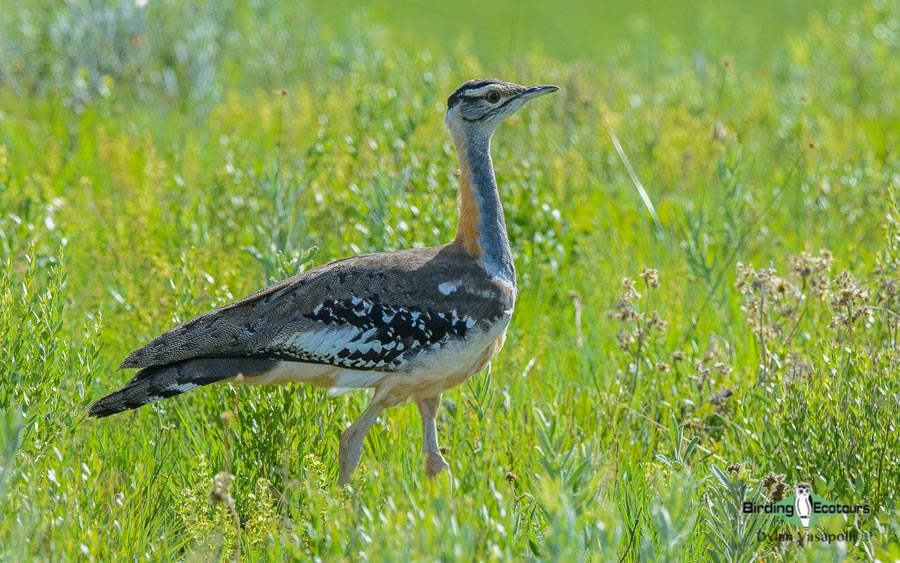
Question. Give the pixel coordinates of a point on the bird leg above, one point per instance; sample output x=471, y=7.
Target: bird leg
x=352, y=439
x=434, y=462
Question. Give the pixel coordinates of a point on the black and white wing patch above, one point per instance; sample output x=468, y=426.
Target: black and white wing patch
x=366, y=334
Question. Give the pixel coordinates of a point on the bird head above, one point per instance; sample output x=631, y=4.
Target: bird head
x=477, y=107
x=803, y=490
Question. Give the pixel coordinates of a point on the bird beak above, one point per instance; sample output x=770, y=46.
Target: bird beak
x=535, y=91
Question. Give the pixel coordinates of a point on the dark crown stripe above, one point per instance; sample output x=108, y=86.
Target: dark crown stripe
x=460, y=93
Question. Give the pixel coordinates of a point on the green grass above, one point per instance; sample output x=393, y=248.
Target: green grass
x=151, y=168
x=578, y=30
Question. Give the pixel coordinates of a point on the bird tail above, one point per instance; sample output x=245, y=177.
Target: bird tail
x=156, y=383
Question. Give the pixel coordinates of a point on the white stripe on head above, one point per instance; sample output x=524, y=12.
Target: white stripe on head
x=475, y=92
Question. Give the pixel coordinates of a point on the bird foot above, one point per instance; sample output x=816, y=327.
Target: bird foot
x=435, y=464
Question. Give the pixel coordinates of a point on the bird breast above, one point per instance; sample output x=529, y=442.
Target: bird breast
x=454, y=363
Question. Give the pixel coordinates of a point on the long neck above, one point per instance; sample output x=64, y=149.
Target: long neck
x=482, y=228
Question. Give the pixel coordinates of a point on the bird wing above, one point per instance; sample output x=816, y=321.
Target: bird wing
x=369, y=312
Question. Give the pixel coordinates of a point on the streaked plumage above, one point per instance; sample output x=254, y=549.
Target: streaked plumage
x=410, y=323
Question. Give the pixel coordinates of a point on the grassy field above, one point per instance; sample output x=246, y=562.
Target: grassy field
x=160, y=160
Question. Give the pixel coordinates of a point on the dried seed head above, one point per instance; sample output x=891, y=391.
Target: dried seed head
x=625, y=312
x=849, y=301
x=221, y=489
x=781, y=492
x=625, y=339
x=650, y=277
x=657, y=323
x=776, y=488
x=629, y=293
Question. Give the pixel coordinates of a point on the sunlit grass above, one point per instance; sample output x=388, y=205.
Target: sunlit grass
x=166, y=168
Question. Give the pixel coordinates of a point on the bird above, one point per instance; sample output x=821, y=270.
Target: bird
x=802, y=504
x=409, y=324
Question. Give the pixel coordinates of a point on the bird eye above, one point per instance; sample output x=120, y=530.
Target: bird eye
x=493, y=96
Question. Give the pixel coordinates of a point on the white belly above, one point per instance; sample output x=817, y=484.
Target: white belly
x=451, y=365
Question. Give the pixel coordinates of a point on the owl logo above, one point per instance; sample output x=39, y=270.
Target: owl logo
x=803, y=504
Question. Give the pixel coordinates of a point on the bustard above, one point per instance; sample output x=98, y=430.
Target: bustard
x=410, y=324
